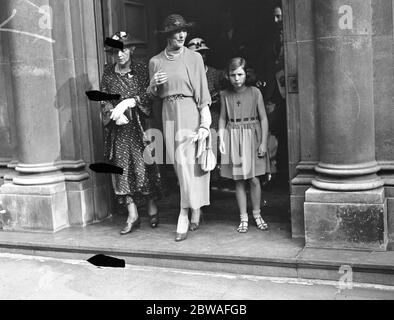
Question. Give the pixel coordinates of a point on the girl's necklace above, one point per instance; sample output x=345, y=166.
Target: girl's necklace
x=172, y=57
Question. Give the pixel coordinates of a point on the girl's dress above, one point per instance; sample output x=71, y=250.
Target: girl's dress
x=183, y=96
x=124, y=145
x=243, y=136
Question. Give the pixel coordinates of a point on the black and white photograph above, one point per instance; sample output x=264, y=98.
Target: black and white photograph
x=195, y=157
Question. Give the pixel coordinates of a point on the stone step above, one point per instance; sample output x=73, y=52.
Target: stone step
x=304, y=266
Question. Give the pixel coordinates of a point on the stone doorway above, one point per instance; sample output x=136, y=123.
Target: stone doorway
x=255, y=21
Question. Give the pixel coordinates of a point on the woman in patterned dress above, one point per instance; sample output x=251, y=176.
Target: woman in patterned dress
x=178, y=78
x=124, y=133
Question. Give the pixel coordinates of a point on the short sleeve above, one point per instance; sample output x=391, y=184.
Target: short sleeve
x=259, y=97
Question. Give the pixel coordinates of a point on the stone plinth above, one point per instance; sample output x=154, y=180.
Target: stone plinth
x=80, y=202
x=38, y=208
x=346, y=220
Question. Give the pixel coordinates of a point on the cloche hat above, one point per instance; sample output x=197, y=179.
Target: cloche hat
x=197, y=44
x=173, y=23
x=119, y=40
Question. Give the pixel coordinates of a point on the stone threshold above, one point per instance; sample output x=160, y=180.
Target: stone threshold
x=280, y=257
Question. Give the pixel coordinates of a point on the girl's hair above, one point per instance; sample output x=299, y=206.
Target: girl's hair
x=233, y=65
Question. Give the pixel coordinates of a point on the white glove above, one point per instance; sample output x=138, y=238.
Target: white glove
x=121, y=108
x=205, y=117
x=201, y=135
x=201, y=146
x=222, y=144
x=122, y=120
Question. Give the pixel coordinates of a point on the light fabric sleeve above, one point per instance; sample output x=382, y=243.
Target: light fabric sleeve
x=198, y=78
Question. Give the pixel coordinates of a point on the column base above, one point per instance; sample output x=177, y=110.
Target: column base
x=80, y=203
x=5, y=174
x=346, y=220
x=41, y=208
x=297, y=199
x=389, y=186
x=347, y=183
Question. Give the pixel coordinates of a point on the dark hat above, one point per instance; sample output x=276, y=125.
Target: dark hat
x=173, y=23
x=197, y=44
x=119, y=40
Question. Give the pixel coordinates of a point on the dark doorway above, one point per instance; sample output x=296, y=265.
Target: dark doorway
x=257, y=32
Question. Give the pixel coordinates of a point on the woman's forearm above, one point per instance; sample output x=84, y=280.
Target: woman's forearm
x=264, y=131
x=222, y=127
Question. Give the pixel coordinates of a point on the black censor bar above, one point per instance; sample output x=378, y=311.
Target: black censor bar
x=114, y=43
x=95, y=95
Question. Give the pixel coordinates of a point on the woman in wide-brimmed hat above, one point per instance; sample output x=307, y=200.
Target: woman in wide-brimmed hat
x=178, y=78
x=124, y=144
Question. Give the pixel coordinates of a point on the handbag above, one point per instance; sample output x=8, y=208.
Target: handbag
x=207, y=159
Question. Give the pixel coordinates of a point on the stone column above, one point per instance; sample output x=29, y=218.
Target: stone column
x=51, y=67
x=7, y=125
x=37, y=197
x=347, y=206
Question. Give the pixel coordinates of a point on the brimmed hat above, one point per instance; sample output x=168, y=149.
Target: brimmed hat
x=197, y=44
x=173, y=23
x=119, y=40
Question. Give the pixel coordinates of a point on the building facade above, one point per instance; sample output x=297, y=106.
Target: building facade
x=339, y=73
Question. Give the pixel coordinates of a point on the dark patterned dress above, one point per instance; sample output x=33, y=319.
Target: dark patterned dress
x=214, y=77
x=124, y=145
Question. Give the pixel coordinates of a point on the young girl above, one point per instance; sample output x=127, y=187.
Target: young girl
x=243, y=133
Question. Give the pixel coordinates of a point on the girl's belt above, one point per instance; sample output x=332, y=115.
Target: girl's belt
x=244, y=119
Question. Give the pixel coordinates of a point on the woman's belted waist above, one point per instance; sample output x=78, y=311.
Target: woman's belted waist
x=175, y=97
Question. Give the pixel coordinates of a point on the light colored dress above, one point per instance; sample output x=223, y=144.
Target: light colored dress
x=243, y=136
x=183, y=96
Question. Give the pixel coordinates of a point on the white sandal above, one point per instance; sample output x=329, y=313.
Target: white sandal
x=243, y=227
x=261, y=224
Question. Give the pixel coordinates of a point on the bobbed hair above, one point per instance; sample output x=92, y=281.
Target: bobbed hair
x=234, y=64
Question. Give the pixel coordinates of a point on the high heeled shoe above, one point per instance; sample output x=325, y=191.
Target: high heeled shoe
x=130, y=227
x=154, y=221
x=180, y=237
x=195, y=226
